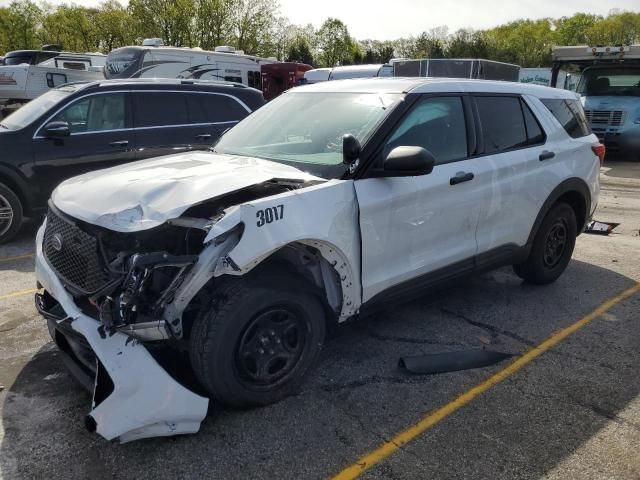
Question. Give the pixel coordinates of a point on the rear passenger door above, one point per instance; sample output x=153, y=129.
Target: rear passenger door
x=511, y=144
x=161, y=122
x=211, y=114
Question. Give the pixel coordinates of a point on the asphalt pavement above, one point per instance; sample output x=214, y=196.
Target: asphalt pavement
x=571, y=408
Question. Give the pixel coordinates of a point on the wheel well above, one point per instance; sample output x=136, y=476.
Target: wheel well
x=579, y=205
x=307, y=262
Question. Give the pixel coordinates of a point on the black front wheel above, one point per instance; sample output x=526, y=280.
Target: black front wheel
x=10, y=214
x=552, y=247
x=259, y=340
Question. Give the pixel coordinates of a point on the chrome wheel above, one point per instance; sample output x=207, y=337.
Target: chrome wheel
x=6, y=215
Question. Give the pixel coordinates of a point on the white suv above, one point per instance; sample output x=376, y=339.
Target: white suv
x=332, y=199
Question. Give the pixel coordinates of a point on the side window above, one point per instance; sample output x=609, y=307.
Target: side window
x=535, y=135
x=503, y=126
x=436, y=124
x=213, y=108
x=254, y=79
x=95, y=114
x=570, y=114
x=159, y=109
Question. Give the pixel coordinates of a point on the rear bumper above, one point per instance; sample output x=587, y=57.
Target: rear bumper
x=133, y=396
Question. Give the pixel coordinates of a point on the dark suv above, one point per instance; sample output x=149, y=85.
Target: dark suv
x=81, y=127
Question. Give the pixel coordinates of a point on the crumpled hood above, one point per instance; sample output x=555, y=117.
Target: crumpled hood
x=145, y=194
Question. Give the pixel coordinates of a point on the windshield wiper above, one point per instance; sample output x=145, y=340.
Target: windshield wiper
x=4, y=126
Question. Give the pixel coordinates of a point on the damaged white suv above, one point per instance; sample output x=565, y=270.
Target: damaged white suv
x=217, y=274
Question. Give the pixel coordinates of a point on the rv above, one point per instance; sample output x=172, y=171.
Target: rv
x=26, y=74
x=476, y=68
x=348, y=71
x=154, y=60
x=610, y=92
x=279, y=77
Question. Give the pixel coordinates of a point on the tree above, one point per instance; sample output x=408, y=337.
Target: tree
x=171, y=20
x=253, y=22
x=334, y=43
x=214, y=23
x=300, y=51
x=114, y=26
x=19, y=25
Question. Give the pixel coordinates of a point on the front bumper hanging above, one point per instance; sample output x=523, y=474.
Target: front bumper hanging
x=145, y=400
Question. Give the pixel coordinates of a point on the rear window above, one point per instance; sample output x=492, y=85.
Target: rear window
x=503, y=125
x=214, y=108
x=160, y=109
x=570, y=115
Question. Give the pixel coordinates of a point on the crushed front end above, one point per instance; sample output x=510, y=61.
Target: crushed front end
x=105, y=296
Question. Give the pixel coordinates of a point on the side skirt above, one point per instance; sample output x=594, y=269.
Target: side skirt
x=446, y=276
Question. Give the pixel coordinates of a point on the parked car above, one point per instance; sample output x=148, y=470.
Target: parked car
x=77, y=128
x=329, y=201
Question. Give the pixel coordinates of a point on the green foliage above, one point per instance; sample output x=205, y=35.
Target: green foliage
x=334, y=43
x=257, y=27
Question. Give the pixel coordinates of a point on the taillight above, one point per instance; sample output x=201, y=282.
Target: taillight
x=599, y=150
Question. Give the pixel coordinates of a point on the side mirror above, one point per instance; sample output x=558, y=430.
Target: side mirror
x=56, y=130
x=408, y=162
x=350, y=149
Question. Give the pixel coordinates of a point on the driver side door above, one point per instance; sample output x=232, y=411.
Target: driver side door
x=422, y=227
x=100, y=137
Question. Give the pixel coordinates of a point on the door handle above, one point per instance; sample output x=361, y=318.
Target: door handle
x=460, y=178
x=546, y=155
x=120, y=143
x=203, y=136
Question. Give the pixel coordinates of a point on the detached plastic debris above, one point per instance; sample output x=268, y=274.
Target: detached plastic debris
x=451, y=361
x=600, y=228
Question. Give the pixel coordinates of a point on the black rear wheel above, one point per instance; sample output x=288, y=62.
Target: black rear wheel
x=552, y=247
x=258, y=341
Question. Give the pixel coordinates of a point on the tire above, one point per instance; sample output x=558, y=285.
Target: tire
x=552, y=247
x=11, y=214
x=258, y=339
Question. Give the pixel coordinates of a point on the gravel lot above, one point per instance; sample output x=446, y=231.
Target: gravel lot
x=573, y=412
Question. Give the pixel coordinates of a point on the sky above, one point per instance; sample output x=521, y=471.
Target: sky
x=390, y=19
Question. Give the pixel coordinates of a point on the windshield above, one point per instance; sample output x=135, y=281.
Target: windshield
x=36, y=108
x=610, y=81
x=123, y=63
x=305, y=129
x=19, y=59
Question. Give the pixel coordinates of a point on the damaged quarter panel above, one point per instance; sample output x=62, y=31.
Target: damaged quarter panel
x=323, y=216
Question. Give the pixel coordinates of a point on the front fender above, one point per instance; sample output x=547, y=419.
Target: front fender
x=324, y=216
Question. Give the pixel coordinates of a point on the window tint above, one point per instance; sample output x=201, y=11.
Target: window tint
x=502, y=123
x=94, y=114
x=158, y=109
x=254, y=80
x=212, y=108
x=437, y=124
x=535, y=135
x=570, y=115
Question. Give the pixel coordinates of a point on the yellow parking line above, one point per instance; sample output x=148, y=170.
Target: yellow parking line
x=17, y=257
x=17, y=294
x=391, y=446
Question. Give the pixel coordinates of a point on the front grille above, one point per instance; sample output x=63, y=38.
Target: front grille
x=613, y=118
x=74, y=255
